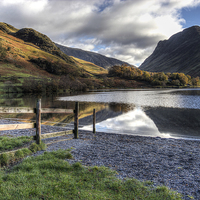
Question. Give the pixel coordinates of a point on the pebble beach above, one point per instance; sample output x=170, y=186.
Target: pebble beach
x=174, y=163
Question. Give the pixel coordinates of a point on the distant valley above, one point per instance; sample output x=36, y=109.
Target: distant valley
x=31, y=63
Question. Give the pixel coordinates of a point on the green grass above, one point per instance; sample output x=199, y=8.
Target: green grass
x=7, y=143
x=11, y=157
x=48, y=176
x=37, y=147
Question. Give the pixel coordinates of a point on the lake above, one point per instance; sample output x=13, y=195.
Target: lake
x=153, y=112
x=170, y=113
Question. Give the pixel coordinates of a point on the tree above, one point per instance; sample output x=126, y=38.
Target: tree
x=146, y=76
x=183, y=79
x=176, y=82
x=195, y=81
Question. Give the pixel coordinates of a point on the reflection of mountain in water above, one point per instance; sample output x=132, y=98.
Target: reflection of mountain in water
x=176, y=121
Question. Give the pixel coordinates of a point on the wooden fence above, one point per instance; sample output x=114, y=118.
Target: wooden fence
x=38, y=111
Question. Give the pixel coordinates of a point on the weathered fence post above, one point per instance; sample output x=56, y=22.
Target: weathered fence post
x=76, y=120
x=94, y=121
x=38, y=122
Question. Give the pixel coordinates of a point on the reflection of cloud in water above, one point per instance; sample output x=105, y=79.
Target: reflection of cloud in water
x=134, y=122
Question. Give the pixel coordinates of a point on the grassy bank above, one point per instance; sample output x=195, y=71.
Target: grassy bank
x=49, y=176
x=7, y=143
x=13, y=150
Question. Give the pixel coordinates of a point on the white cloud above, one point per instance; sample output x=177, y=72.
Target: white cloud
x=128, y=30
x=26, y=6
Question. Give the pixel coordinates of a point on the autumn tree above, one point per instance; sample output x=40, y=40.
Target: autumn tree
x=182, y=78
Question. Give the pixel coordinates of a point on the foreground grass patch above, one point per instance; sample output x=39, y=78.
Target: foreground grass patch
x=10, y=158
x=7, y=143
x=48, y=176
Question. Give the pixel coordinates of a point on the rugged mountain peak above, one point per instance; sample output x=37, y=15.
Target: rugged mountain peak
x=180, y=53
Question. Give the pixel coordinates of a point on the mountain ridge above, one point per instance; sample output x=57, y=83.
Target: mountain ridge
x=45, y=43
x=180, y=53
x=96, y=58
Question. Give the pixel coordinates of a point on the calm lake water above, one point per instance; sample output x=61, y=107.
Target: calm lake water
x=153, y=112
x=158, y=112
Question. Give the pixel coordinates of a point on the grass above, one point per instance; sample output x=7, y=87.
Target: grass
x=49, y=176
x=11, y=157
x=7, y=143
x=90, y=67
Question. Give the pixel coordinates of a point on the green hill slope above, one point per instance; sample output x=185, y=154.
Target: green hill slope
x=26, y=52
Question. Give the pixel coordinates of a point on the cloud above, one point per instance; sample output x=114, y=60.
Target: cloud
x=125, y=29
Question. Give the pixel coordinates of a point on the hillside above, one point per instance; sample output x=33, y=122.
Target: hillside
x=31, y=63
x=180, y=53
x=92, y=57
x=26, y=52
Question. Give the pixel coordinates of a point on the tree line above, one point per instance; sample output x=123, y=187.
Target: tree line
x=153, y=78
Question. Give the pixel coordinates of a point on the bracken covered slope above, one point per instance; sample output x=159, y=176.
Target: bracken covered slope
x=26, y=52
x=180, y=53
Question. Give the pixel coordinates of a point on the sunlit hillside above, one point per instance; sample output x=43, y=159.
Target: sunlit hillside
x=22, y=58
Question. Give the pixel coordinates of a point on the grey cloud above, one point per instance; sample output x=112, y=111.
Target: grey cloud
x=117, y=28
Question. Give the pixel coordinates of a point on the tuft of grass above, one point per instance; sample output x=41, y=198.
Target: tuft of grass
x=19, y=154
x=7, y=143
x=77, y=166
x=26, y=151
x=37, y=147
x=4, y=159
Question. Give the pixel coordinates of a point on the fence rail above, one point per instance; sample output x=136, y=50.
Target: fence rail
x=16, y=126
x=38, y=111
x=33, y=110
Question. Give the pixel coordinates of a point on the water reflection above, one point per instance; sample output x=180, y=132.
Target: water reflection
x=143, y=98
x=139, y=112
x=134, y=122
x=164, y=113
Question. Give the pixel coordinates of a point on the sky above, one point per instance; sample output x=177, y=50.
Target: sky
x=128, y=30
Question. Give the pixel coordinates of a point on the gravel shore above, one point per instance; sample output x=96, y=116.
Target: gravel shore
x=174, y=163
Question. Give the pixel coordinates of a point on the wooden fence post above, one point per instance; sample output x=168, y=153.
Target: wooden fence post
x=38, y=122
x=94, y=121
x=76, y=120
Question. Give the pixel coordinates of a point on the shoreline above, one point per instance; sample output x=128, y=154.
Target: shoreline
x=172, y=162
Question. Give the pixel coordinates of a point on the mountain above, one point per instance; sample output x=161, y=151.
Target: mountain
x=92, y=57
x=180, y=53
x=31, y=62
x=26, y=52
